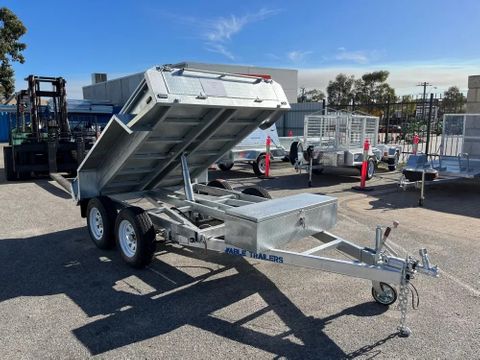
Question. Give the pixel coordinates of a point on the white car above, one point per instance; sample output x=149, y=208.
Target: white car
x=252, y=150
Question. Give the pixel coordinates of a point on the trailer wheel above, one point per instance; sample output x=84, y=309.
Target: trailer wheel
x=257, y=191
x=388, y=295
x=370, y=168
x=293, y=154
x=135, y=236
x=220, y=183
x=259, y=166
x=412, y=175
x=393, y=163
x=8, y=163
x=100, y=221
x=225, y=166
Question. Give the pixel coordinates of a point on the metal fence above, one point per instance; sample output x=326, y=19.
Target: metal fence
x=401, y=122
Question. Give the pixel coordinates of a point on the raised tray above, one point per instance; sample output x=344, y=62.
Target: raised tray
x=173, y=111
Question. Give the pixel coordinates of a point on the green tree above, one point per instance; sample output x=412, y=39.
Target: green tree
x=453, y=100
x=313, y=95
x=373, y=88
x=341, y=91
x=11, y=30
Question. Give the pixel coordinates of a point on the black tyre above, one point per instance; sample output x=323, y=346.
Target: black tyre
x=135, y=236
x=225, y=166
x=317, y=171
x=260, y=166
x=8, y=163
x=101, y=215
x=257, y=191
x=393, y=163
x=293, y=154
x=220, y=183
x=387, y=297
x=417, y=175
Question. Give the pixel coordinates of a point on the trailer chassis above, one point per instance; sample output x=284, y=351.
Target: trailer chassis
x=196, y=218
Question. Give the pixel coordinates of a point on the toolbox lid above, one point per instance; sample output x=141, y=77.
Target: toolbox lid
x=277, y=207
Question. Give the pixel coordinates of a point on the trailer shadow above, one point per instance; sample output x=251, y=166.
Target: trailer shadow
x=101, y=284
x=52, y=189
x=460, y=198
x=290, y=181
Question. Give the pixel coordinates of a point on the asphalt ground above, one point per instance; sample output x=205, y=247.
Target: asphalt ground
x=61, y=297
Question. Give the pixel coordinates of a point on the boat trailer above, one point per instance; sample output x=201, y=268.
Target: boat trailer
x=146, y=179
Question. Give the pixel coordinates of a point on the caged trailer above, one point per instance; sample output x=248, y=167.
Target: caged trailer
x=458, y=156
x=145, y=178
x=336, y=138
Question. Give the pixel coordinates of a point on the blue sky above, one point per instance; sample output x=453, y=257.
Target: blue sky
x=435, y=41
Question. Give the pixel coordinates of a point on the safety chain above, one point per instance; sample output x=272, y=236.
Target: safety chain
x=403, y=305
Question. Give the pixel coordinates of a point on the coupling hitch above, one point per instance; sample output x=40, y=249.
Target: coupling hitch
x=423, y=267
x=409, y=267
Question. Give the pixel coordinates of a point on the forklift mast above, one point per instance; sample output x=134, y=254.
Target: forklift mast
x=44, y=146
x=59, y=97
x=22, y=101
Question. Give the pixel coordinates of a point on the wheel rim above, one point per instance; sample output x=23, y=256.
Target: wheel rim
x=371, y=169
x=127, y=238
x=387, y=295
x=300, y=152
x=96, y=223
x=262, y=165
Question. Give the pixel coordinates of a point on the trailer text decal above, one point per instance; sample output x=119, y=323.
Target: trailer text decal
x=253, y=255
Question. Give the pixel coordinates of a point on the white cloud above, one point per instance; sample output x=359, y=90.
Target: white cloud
x=272, y=56
x=217, y=33
x=220, y=49
x=357, y=56
x=297, y=55
x=223, y=28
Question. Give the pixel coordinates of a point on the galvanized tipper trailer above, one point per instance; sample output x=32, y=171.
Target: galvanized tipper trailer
x=135, y=184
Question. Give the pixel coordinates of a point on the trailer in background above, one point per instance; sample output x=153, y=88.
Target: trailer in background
x=458, y=157
x=336, y=140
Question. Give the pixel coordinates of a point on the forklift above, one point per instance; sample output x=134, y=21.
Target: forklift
x=41, y=143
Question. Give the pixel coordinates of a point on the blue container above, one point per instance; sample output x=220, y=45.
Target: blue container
x=4, y=126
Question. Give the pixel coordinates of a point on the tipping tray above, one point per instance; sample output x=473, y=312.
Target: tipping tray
x=173, y=111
